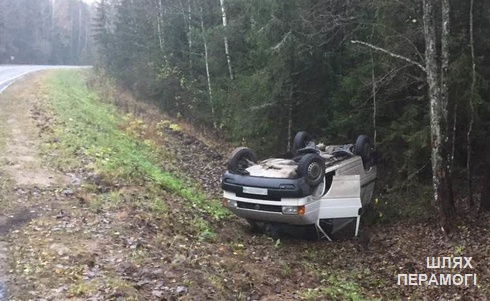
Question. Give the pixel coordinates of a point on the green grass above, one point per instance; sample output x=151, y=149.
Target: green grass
x=335, y=284
x=335, y=287
x=91, y=128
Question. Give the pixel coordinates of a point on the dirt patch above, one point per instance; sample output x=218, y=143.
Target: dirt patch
x=23, y=175
x=20, y=217
x=20, y=158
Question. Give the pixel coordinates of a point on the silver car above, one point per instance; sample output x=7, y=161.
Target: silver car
x=319, y=191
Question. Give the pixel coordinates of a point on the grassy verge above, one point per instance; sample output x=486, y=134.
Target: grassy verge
x=91, y=128
x=104, y=239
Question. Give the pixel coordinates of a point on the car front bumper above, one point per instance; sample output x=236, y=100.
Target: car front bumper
x=342, y=200
x=273, y=211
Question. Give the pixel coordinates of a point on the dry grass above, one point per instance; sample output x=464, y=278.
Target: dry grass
x=145, y=110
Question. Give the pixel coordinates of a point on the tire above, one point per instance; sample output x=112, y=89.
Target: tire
x=362, y=148
x=241, y=158
x=301, y=140
x=312, y=167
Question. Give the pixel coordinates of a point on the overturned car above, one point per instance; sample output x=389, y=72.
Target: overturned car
x=317, y=191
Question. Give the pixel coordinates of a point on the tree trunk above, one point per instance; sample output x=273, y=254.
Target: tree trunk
x=206, y=61
x=444, y=61
x=445, y=36
x=189, y=32
x=438, y=115
x=160, y=24
x=485, y=194
x=290, y=117
x=472, y=109
x=453, y=135
x=227, y=52
x=373, y=91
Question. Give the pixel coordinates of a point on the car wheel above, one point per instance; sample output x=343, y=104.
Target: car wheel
x=363, y=148
x=301, y=140
x=241, y=158
x=312, y=167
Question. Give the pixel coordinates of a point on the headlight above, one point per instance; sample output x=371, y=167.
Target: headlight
x=293, y=210
x=230, y=203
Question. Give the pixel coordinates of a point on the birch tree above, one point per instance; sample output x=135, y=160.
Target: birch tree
x=472, y=108
x=438, y=97
x=225, y=38
x=160, y=25
x=208, y=75
x=189, y=32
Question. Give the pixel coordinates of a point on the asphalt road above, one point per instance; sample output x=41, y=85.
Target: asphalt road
x=10, y=73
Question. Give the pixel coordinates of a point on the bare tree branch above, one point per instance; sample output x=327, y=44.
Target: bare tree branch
x=390, y=53
x=283, y=40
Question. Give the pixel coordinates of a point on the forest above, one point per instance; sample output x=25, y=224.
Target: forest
x=411, y=74
x=55, y=32
x=113, y=178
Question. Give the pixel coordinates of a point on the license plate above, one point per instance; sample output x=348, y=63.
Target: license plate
x=255, y=190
